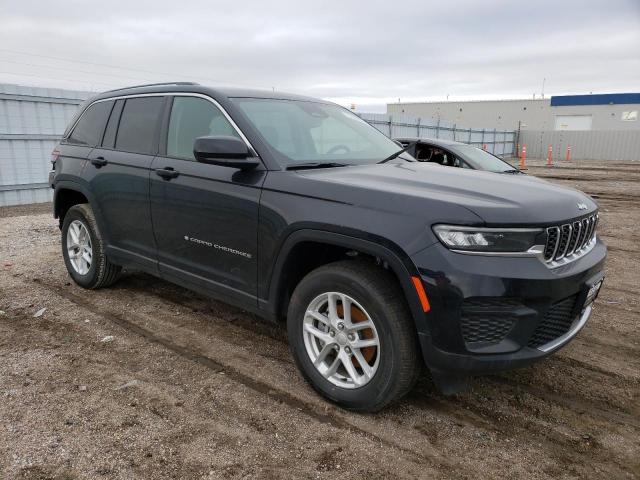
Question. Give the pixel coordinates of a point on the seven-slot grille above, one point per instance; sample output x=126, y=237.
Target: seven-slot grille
x=569, y=239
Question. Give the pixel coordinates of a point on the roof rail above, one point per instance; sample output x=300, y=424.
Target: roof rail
x=152, y=85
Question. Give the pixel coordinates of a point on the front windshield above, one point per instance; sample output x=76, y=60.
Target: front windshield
x=309, y=132
x=482, y=160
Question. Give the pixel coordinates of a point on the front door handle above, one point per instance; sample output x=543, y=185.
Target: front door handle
x=167, y=173
x=98, y=162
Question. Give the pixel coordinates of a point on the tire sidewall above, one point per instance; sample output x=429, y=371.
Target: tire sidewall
x=91, y=277
x=377, y=389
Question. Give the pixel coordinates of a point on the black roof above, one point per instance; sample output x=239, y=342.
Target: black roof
x=215, y=92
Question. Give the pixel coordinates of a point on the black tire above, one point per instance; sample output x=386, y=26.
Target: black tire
x=380, y=295
x=102, y=272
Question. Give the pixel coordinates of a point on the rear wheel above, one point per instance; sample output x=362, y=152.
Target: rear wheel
x=352, y=336
x=83, y=250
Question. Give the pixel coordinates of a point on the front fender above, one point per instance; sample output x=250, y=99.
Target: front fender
x=387, y=251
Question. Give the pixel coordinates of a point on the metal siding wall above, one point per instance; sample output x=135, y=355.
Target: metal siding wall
x=499, y=142
x=506, y=114
x=31, y=119
x=621, y=145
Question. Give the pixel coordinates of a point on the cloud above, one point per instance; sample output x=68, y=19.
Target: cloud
x=363, y=52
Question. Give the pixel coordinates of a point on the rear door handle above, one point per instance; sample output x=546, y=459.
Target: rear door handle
x=98, y=162
x=167, y=173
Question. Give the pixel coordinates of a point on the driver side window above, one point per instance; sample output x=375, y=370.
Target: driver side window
x=193, y=117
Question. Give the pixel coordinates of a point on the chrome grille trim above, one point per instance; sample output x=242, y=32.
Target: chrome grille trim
x=581, y=236
x=569, y=241
x=574, y=241
x=585, y=225
x=594, y=224
x=563, y=242
x=553, y=239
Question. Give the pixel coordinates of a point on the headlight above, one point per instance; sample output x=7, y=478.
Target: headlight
x=493, y=240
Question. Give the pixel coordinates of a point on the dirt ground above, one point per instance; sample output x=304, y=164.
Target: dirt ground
x=148, y=380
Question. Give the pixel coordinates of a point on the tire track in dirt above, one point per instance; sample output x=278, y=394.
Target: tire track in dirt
x=592, y=340
x=510, y=421
x=436, y=460
x=572, y=402
x=197, y=303
x=626, y=198
x=613, y=248
x=589, y=367
x=618, y=308
x=623, y=290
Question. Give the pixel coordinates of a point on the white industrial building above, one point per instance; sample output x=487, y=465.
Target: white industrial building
x=603, y=112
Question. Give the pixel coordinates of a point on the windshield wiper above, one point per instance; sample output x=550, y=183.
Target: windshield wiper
x=398, y=153
x=305, y=166
x=513, y=171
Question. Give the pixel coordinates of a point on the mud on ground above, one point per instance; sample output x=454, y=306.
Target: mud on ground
x=192, y=388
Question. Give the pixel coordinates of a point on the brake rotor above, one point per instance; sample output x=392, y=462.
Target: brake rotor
x=358, y=316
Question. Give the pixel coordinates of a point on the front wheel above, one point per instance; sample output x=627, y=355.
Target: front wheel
x=352, y=336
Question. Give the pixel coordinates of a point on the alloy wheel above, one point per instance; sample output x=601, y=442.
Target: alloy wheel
x=341, y=340
x=79, y=247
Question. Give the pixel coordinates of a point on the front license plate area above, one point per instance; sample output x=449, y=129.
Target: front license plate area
x=592, y=293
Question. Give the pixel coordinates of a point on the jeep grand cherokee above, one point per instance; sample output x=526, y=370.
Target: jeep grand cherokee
x=297, y=210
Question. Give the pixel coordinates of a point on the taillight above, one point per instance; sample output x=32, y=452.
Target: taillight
x=54, y=157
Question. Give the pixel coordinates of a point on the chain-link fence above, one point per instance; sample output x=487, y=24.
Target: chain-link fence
x=498, y=142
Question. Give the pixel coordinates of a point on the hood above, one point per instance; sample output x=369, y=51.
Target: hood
x=498, y=199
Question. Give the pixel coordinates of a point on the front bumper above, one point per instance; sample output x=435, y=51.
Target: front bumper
x=490, y=314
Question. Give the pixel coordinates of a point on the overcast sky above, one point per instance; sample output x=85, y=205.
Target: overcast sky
x=366, y=52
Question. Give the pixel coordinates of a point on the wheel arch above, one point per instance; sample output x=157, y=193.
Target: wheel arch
x=69, y=193
x=387, y=253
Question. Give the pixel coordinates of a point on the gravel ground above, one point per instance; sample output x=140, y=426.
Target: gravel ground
x=148, y=380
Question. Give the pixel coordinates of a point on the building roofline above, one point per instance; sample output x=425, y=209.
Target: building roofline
x=472, y=101
x=554, y=100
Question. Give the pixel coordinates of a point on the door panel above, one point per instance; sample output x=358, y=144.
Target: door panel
x=206, y=224
x=121, y=189
x=205, y=217
x=119, y=178
x=85, y=135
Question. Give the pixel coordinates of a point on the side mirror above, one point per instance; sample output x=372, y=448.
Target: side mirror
x=225, y=151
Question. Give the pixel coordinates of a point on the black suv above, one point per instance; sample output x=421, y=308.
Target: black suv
x=297, y=210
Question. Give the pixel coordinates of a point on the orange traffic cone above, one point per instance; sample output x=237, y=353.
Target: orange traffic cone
x=569, y=153
x=523, y=158
x=550, y=157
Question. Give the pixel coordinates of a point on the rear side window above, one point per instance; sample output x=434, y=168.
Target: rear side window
x=89, y=129
x=109, y=139
x=138, y=124
x=193, y=117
